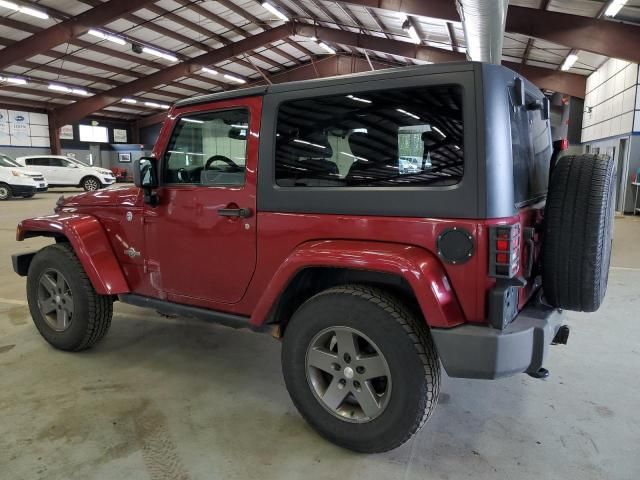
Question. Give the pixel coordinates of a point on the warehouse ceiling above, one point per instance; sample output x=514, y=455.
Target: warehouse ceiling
x=131, y=59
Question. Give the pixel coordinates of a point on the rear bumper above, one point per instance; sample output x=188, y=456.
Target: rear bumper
x=471, y=351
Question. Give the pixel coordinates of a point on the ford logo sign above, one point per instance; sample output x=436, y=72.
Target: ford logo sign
x=19, y=118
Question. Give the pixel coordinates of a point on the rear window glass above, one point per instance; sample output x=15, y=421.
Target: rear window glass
x=398, y=137
x=531, y=151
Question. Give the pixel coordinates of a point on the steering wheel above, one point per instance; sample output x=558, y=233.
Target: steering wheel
x=221, y=158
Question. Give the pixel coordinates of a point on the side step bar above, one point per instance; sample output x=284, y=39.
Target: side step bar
x=171, y=308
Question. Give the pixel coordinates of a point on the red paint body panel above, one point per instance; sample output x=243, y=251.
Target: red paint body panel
x=420, y=268
x=91, y=244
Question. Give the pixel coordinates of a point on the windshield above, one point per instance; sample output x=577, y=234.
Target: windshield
x=8, y=162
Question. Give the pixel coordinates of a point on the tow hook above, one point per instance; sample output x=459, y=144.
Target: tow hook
x=562, y=336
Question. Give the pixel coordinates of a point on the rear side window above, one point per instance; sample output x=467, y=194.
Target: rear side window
x=386, y=138
x=531, y=151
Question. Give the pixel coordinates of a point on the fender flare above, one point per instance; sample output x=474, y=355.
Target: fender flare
x=90, y=243
x=420, y=268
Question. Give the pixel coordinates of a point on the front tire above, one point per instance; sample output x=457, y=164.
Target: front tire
x=91, y=184
x=361, y=368
x=5, y=191
x=65, y=307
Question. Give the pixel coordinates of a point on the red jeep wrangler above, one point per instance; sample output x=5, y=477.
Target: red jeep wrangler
x=289, y=209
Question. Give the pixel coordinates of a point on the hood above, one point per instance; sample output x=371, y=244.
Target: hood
x=124, y=196
x=31, y=173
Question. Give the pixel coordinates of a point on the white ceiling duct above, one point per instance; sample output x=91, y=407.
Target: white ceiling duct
x=483, y=23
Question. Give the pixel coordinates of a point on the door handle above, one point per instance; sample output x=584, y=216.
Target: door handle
x=235, y=212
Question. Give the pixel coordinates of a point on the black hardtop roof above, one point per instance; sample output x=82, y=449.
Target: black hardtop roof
x=382, y=74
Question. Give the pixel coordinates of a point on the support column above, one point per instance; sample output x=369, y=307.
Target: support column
x=54, y=135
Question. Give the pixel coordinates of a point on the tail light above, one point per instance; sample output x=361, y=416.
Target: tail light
x=504, y=251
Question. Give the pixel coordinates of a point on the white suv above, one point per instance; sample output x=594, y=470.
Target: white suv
x=64, y=171
x=17, y=181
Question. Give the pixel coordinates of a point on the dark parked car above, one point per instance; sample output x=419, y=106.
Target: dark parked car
x=287, y=208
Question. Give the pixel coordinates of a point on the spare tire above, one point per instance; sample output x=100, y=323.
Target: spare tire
x=578, y=231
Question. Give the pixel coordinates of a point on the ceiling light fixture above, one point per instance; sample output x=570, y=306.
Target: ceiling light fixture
x=327, y=48
x=79, y=91
x=615, y=6
x=156, y=105
x=275, y=11
x=107, y=36
x=14, y=80
x=568, y=62
x=132, y=101
x=59, y=88
x=210, y=71
x=26, y=10
x=234, y=78
x=411, y=31
x=158, y=53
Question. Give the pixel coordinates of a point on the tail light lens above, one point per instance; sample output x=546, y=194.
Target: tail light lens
x=504, y=251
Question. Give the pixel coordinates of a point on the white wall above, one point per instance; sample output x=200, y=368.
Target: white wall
x=611, y=95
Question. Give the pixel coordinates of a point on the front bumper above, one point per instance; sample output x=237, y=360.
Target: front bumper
x=471, y=351
x=21, y=190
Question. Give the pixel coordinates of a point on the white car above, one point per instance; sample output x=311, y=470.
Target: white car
x=17, y=181
x=62, y=171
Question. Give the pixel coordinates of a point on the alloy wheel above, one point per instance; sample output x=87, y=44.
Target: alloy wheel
x=90, y=185
x=348, y=374
x=4, y=193
x=55, y=300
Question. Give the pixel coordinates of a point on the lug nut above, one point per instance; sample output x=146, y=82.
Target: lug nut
x=336, y=367
x=347, y=358
x=360, y=369
x=356, y=385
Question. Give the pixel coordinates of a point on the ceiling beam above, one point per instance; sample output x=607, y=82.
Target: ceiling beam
x=84, y=107
x=68, y=29
x=564, y=82
x=604, y=37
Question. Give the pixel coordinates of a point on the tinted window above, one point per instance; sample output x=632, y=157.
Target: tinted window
x=531, y=151
x=7, y=162
x=43, y=162
x=400, y=137
x=208, y=149
x=58, y=162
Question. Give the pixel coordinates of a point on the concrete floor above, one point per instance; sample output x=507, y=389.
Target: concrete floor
x=177, y=399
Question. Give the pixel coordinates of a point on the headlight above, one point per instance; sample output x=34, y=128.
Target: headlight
x=16, y=173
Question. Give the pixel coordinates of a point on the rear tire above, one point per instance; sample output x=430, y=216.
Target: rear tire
x=402, y=374
x=65, y=307
x=91, y=184
x=5, y=191
x=578, y=232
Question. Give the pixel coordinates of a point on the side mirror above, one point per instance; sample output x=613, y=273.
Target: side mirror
x=145, y=176
x=518, y=87
x=145, y=173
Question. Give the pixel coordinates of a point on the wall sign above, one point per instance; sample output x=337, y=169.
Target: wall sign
x=66, y=132
x=124, y=157
x=119, y=136
x=23, y=129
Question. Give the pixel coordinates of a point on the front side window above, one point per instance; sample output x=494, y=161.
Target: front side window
x=208, y=149
x=398, y=137
x=41, y=161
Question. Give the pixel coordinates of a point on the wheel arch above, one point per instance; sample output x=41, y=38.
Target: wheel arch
x=90, y=244
x=410, y=273
x=89, y=175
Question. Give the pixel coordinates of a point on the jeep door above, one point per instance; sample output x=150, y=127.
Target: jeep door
x=201, y=237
